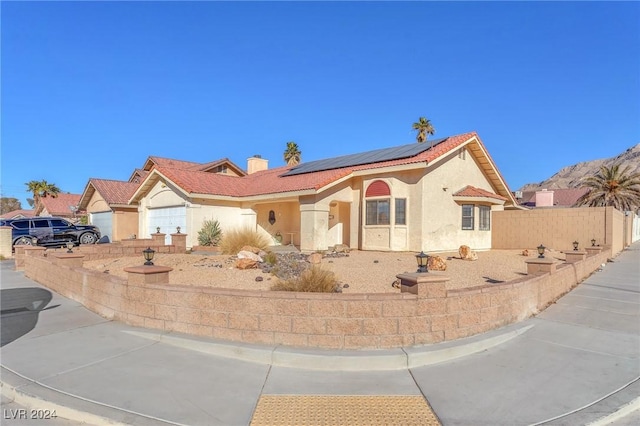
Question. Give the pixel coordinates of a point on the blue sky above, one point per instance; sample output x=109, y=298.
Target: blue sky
x=92, y=89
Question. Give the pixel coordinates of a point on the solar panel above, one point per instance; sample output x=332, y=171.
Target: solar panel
x=376, y=156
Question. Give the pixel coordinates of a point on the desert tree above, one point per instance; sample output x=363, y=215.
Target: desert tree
x=612, y=186
x=292, y=154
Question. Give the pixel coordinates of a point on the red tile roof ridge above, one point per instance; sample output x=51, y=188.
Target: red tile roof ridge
x=472, y=191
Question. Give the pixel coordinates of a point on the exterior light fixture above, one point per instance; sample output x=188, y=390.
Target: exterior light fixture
x=148, y=256
x=69, y=246
x=177, y=229
x=541, y=249
x=158, y=230
x=422, y=259
x=593, y=242
x=575, y=246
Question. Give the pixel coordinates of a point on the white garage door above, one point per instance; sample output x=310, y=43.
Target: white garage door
x=104, y=221
x=167, y=218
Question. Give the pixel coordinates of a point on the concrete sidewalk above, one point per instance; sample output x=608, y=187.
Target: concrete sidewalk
x=576, y=363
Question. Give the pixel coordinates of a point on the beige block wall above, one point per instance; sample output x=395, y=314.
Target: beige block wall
x=6, y=241
x=557, y=228
x=333, y=321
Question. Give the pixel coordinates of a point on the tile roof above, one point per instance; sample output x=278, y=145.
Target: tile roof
x=170, y=162
x=562, y=197
x=472, y=191
x=17, y=214
x=271, y=181
x=59, y=205
x=114, y=191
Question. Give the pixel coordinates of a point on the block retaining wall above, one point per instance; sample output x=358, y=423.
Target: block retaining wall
x=319, y=320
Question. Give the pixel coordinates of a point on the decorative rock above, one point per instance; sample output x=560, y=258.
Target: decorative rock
x=467, y=254
x=525, y=252
x=246, y=264
x=252, y=249
x=245, y=254
x=396, y=284
x=345, y=286
x=436, y=263
x=259, y=279
x=376, y=261
x=341, y=248
x=314, y=258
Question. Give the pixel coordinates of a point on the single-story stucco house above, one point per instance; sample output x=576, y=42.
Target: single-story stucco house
x=406, y=198
x=62, y=205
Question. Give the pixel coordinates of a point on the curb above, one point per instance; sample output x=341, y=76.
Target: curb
x=326, y=360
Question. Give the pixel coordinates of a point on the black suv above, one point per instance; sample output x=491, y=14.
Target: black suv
x=50, y=231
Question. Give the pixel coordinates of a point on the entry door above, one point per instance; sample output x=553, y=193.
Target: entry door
x=167, y=218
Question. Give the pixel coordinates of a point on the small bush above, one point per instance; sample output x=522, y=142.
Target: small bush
x=210, y=234
x=314, y=279
x=271, y=258
x=234, y=240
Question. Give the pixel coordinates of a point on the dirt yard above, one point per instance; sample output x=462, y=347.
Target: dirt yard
x=361, y=272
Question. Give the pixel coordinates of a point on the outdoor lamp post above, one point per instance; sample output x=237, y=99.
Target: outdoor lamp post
x=593, y=242
x=541, y=249
x=148, y=256
x=177, y=229
x=158, y=230
x=422, y=258
x=69, y=246
x=575, y=246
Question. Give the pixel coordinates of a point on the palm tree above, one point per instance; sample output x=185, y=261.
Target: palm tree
x=41, y=189
x=612, y=187
x=424, y=128
x=292, y=154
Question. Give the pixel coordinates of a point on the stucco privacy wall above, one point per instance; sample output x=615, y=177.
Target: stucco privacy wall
x=336, y=321
x=557, y=228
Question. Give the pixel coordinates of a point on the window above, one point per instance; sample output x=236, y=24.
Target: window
x=467, y=216
x=401, y=209
x=484, y=220
x=21, y=224
x=40, y=223
x=377, y=212
x=59, y=223
x=221, y=169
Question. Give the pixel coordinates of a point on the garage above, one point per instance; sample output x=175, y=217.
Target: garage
x=104, y=221
x=167, y=219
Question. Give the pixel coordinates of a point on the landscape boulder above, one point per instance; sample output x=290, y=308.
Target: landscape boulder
x=246, y=264
x=315, y=258
x=466, y=253
x=341, y=248
x=436, y=263
x=252, y=249
x=245, y=254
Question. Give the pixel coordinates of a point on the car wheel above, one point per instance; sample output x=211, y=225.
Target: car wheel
x=88, y=238
x=24, y=241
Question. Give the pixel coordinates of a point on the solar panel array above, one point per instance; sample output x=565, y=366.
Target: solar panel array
x=376, y=156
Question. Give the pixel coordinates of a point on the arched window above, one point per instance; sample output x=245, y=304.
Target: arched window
x=378, y=205
x=378, y=189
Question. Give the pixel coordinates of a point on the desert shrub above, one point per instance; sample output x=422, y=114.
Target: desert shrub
x=210, y=234
x=314, y=279
x=234, y=240
x=271, y=258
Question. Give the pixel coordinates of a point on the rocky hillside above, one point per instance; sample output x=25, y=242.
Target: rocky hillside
x=569, y=177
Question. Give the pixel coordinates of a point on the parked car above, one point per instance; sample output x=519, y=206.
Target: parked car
x=50, y=231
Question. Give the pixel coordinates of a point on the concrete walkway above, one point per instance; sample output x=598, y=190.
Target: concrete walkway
x=576, y=363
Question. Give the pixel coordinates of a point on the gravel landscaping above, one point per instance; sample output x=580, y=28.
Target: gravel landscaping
x=357, y=271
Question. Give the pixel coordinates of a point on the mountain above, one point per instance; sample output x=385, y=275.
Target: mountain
x=569, y=177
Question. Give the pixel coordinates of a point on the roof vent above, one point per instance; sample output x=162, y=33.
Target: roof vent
x=518, y=194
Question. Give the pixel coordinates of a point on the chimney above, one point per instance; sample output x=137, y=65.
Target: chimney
x=256, y=164
x=544, y=198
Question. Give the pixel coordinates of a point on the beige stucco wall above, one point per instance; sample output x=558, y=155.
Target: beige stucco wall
x=287, y=221
x=124, y=223
x=557, y=228
x=97, y=204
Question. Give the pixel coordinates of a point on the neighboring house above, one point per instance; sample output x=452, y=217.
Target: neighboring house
x=17, y=214
x=405, y=198
x=107, y=203
x=564, y=197
x=62, y=205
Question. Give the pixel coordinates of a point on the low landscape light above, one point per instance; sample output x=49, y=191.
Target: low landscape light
x=148, y=256
x=69, y=246
x=158, y=230
x=422, y=260
x=593, y=242
x=541, y=250
x=177, y=229
x=575, y=246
